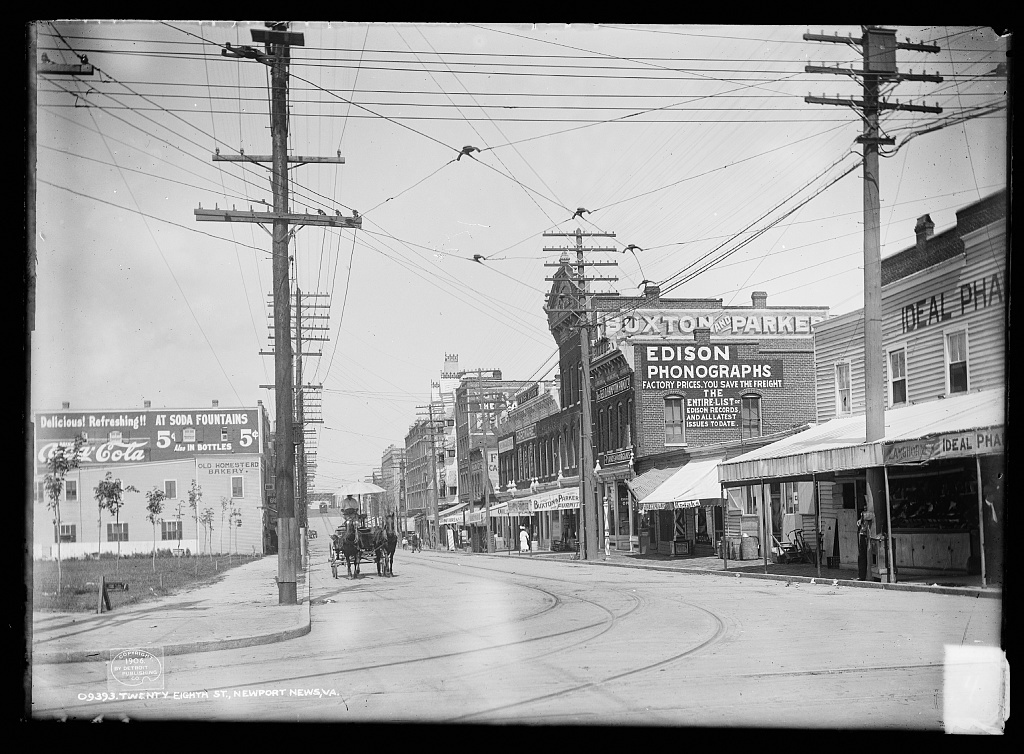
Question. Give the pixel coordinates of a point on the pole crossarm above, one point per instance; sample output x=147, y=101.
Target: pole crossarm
x=250, y=216
x=861, y=104
x=292, y=160
x=65, y=69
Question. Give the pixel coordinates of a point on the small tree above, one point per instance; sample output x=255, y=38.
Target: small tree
x=237, y=516
x=155, y=506
x=224, y=503
x=206, y=519
x=110, y=496
x=195, y=497
x=63, y=460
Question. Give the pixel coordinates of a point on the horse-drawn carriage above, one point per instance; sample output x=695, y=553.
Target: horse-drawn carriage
x=353, y=542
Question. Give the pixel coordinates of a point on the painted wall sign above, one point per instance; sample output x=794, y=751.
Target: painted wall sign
x=950, y=445
x=723, y=323
x=712, y=378
x=970, y=296
x=146, y=435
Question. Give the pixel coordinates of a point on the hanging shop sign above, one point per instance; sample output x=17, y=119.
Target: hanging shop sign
x=520, y=507
x=614, y=388
x=506, y=444
x=950, y=445
x=556, y=500
x=713, y=378
x=129, y=437
x=730, y=324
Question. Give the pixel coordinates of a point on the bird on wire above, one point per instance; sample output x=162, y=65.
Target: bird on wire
x=579, y=213
x=479, y=258
x=632, y=247
x=467, y=150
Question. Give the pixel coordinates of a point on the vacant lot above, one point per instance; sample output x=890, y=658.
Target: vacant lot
x=81, y=579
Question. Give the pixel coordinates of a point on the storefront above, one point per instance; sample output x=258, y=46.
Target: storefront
x=943, y=462
x=685, y=510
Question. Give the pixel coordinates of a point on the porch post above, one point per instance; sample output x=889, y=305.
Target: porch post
x=817, y=524
x=765, y=526
x=725, y=529
x=981, y=521
x=891, y=565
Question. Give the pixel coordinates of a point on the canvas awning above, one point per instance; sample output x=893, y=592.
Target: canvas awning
x=451, y=515
x=966, y=425
x=688, y=487
x=649, y=481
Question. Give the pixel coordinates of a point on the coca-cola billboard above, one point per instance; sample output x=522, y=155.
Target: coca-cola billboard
x=128, y=437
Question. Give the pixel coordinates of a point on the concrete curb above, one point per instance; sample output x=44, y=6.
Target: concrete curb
x=825, y=580
x=210, y=645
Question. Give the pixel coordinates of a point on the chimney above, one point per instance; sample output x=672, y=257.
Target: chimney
x=652, y=291
x=146, y=404
x=924, y=230
x=702, y=336
x=65, y=405
x=759, y=299
x=216, y=403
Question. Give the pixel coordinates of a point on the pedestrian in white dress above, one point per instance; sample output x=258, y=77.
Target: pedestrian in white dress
x=524, y=540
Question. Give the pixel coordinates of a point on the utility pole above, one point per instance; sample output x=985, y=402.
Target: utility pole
x=879, y=47
x=588, y=481
x=277, y=41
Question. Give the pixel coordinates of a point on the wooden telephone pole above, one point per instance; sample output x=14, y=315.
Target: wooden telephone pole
x=588, y=481
x=879, y=47
x=277, y=41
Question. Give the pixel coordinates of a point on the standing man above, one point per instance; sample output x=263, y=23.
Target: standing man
x=863, y=533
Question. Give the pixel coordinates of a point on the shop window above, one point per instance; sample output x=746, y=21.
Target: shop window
x=236, y=486
x=71, y=489
x=117, y=532
x=750, y=416
x=170, y=489
x=68, y=533
x=897, y=376
x=171, y=530
x=674, y=417
x=188, y=434
x=752, y=500
x=844, y=390
x=956, y=361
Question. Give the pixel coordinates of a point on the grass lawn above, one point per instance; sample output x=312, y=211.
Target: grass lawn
x=81, y=578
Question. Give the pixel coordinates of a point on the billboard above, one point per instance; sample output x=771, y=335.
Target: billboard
x=129, y=437
x=712, y=377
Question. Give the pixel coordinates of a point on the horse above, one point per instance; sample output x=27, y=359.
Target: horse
x=348, y=544
x=385, y=542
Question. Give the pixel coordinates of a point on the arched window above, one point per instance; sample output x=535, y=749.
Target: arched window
x=675, y=417
x=620, y=429
x=750, y=416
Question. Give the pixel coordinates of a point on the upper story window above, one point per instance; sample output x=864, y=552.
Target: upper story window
x=170, y=489
x=675, y=413
x=956, y=362
x=236, y=486
x=188, y=434
x=71, y=489
x=750, y=416
x=114, y=436
x=223, y=434
x=844, y=389
x=897, y=376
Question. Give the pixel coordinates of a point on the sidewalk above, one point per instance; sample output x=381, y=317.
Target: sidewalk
x=803, y=572
x=239, y=610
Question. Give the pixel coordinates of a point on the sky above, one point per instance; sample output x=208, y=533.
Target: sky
x=693, y=144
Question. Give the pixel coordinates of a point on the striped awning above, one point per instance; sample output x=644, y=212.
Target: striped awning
x=646, y=483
